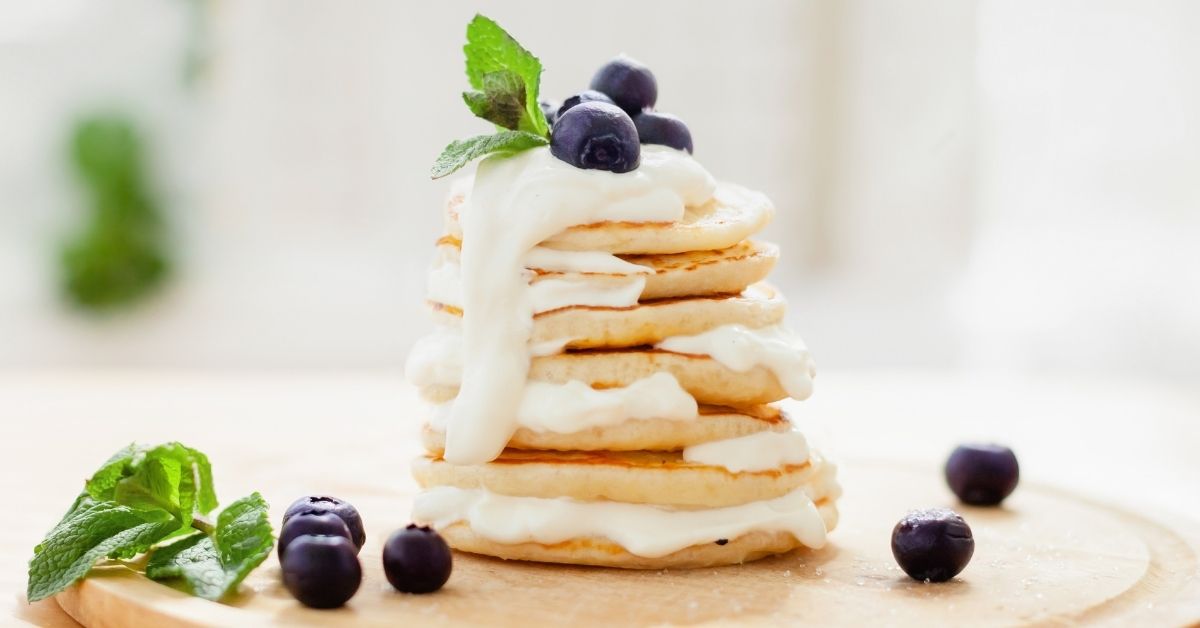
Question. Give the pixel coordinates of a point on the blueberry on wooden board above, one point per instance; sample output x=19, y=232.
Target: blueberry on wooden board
x=934, y=544
x=322, y=571
x=315, y=504
x=311, y=524
x=982, y=475
x=417, y=560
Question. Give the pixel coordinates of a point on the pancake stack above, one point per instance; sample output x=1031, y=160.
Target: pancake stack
x=649, y=436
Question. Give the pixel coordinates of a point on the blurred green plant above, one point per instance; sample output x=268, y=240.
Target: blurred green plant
x=121, y=255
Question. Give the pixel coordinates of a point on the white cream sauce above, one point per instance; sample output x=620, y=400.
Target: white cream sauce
x=741, y=348
x=554, y=260
x=517, y=202
x=641, y=529
x=573, y=288
x=574, y=406
x=754, y=452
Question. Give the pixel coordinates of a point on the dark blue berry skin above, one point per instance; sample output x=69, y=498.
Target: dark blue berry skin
x=311, y=524
x=934, y=544
x=982, y=475
x=315, y=504
x=322, y=571
x=663, y=128
x=596, y=136
x=630, y=84
x=589, y=95
x=417, y=560
x=549, y=109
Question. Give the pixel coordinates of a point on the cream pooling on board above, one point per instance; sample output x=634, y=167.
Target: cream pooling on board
x=516, y=203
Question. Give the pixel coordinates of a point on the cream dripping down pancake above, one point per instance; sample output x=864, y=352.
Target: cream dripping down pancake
x=727, y=215
x=726, y=365
x=695, y=477
x=690, y=274
x=608, y=424
x=603, y=351
x=501, y=510
x=643, y=322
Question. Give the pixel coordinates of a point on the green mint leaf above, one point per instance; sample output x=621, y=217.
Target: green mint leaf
x=461, y=152
x=119, y=253
x=212, y=567
x=154, y=485
x=196, y=493
x=501, y=102
x=92, y=531
x=104, y=480
x=171, y=477
x=490, y=49
x=138, y=497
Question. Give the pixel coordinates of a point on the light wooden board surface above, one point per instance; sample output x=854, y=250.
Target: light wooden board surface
x=1047, y=557
x=1050, y=557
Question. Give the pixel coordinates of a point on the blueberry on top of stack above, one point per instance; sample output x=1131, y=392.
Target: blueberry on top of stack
x=602, y=128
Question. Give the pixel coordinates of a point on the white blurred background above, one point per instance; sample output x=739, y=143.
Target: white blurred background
x=961, y=185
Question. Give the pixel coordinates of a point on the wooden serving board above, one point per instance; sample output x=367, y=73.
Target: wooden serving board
x=1046, y=558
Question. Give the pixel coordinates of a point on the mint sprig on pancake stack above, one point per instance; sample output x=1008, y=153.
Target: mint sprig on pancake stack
x=504, y=77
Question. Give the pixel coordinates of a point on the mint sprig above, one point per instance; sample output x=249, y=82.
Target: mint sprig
x=502, y=101
x=505, y=78
x=462, y=152
x=139, y=498
x=211, y=567
x=92, y=531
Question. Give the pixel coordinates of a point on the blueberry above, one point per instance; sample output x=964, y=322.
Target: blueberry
x=322, y=503
x=588, y=95
x=982, y=475
x=630, y=84
x=934, y=544
x=549, y=109
x=416, y=560
x=311, y=524
x=596, y=136
x=322, y=571
x=663, y=128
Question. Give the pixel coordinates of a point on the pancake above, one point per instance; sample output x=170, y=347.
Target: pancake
x=646, y=323
x=635, y=477
x=714, y=423
x=733, y=214
x=604, y=553
x=694, y=273
x=723, y=271
x=706, y=379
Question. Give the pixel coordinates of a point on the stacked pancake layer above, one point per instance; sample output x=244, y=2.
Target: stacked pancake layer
x=603, y=371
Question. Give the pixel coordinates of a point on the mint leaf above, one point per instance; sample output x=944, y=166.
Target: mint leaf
x=153, y=485
x=102, y=482
x=196, y=493
x=461, y=152
x=490, y=49
x=92, y=531
x=173, y=477
x=501, y=102
x=212, y=567
x=138, y=497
